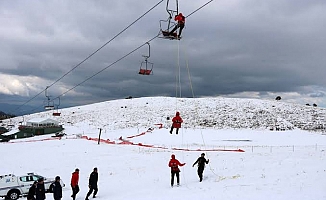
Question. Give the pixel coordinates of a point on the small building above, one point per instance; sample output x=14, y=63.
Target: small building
x=41, y=122
x=12, y=134
x=38, y=126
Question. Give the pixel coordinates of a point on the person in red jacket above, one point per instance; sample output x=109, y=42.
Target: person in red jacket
x=177, y=120
x=74, y=183
x=173, y=164
x=181, y=20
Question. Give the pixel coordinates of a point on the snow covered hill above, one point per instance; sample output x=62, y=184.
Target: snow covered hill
x=272, y=165
x=216, y=113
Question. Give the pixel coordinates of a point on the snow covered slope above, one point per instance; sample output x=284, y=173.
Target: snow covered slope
x=217, y=113
x=279, y=165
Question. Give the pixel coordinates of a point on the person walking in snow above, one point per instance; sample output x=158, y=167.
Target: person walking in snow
x=74, y=183
x=173, y=164
x=92, y=184
x=176, y=122
x=57, y=189
x=31, y=191
x=201, y=161
x=40, y=189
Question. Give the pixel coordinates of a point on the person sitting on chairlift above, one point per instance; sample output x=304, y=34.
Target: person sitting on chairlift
x=181, y=24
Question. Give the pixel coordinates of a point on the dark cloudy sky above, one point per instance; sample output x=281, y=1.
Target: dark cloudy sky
x=232, y=48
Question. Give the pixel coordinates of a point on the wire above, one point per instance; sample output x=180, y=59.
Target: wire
x=106, y=67
x=97, y=50
x=196, y=109
x=192, y=90
x=119, y=58
x=199, y=8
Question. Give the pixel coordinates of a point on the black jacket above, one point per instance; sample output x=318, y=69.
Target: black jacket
x=57, y=190
x=201, y=162
x=31, y=193
x=93, y=178
x=40, y=191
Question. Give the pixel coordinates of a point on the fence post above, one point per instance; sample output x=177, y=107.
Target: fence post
x=99, y=136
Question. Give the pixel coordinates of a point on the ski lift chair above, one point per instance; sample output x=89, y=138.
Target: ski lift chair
x=49, y=106
x=146, y=68
x=56, y=114
x=169, y=23
x=166, y=33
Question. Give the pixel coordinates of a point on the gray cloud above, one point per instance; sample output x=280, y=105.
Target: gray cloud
x=231, y=49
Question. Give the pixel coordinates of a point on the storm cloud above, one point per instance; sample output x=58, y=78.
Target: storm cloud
x=246, y=49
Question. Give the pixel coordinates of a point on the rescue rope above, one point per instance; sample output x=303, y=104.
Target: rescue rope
x=177, y=77
x=196, y=109
x=178, y=94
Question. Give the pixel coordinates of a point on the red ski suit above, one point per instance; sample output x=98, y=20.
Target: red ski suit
x=177, y=120
x=174, y=163
x=180, y=18
x=74, y=179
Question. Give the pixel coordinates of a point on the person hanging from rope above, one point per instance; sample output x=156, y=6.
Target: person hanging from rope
x=176, y=122
x=173, y=164
x=181, y=20
x=201, y=161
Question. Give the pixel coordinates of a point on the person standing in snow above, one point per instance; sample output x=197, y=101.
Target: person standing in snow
x=176, y=122
x=40, y=189
x=57, y=189
x=74, y=183
x=201, y=161
x=173, y=164
x=31, y=191
x=92, y=184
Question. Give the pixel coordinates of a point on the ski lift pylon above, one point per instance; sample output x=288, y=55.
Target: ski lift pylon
x=146, y=68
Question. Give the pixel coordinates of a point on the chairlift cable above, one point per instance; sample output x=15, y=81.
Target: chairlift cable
x=97, y=50
x=199, y=8
x=123, y=57
x=113, y=62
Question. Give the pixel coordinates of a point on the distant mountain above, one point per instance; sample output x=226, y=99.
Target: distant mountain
x=5, y=116
x=12, y=109
x=216, y=113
